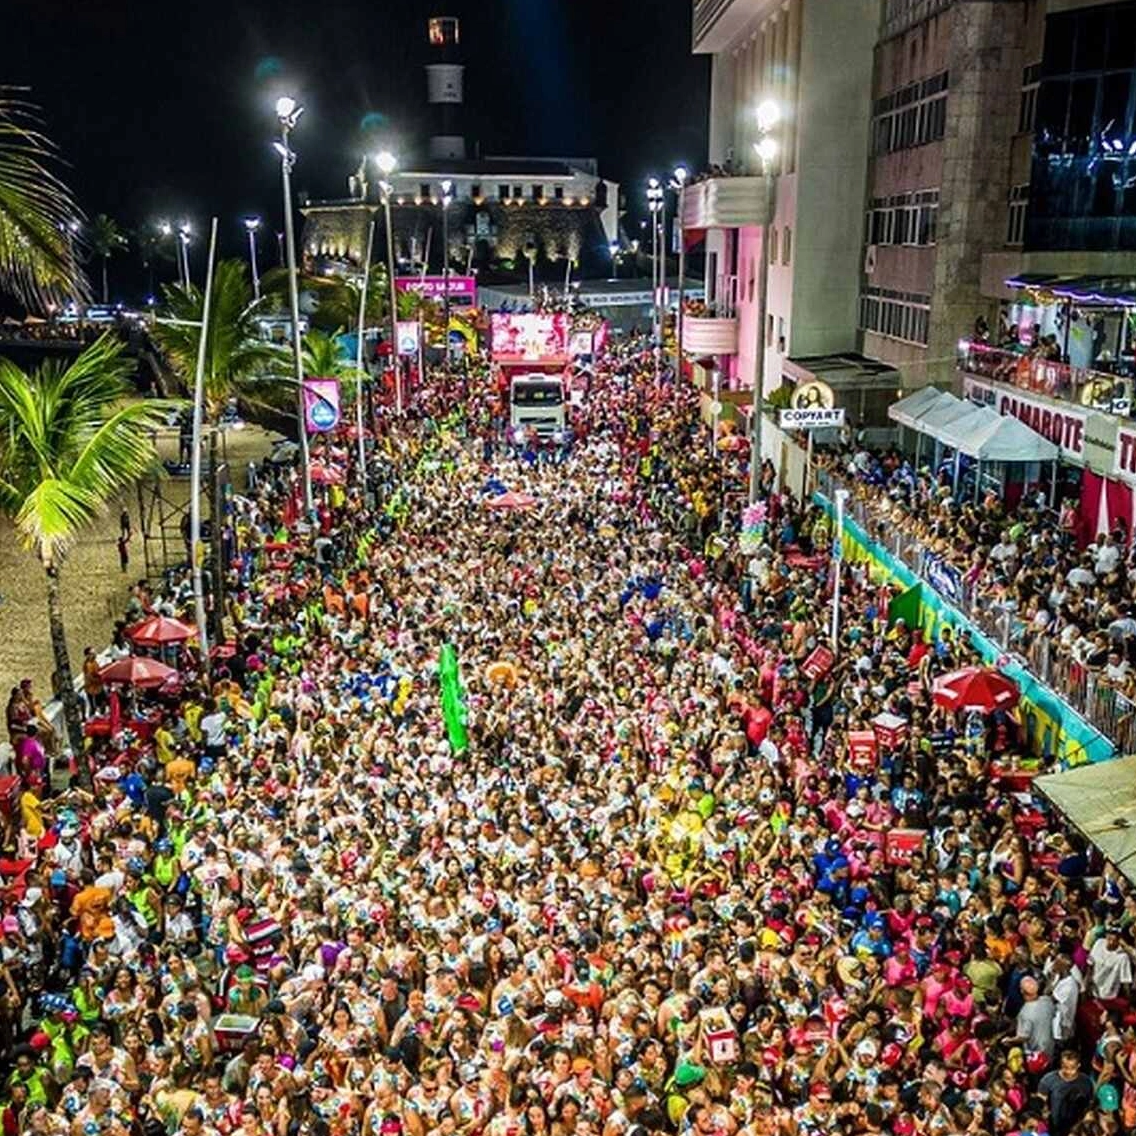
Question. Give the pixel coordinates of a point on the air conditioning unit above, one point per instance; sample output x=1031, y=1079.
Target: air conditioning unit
x=870, y=260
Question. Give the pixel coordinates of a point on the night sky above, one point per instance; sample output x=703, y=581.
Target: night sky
x=165, y=110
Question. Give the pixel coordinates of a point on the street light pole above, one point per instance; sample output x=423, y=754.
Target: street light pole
x=288, y=113
x=387, y=164
x=195, y=550
x=680, y=177
x=251, y=226
x=359, y=359
x=837, y=557
x=767, y=116
x=447, y=197
x=655, y=205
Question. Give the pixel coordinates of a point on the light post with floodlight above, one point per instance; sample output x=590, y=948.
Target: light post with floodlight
x=768, y=115
x=387, y=163
x=288, y=113
x=185, y=233
x=447, y=197
x=680, y=178
x=251, y=226
x=655, y=205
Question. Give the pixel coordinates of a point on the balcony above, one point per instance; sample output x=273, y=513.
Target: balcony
x=710, y=335
x=725, y=203
x=1097, y=390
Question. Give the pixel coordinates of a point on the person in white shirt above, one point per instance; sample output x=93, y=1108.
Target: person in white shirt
x=1067, y=982
x=1111, y=965
x=1107, y=556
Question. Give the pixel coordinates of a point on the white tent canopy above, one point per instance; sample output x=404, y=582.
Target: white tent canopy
x=908, y=411
x=961, y=430
x=1008, y=439
x=1100, y=802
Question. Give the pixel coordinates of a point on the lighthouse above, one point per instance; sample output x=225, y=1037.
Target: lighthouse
x=445, y=75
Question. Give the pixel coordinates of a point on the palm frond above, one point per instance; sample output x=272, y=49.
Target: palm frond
x=37, y=258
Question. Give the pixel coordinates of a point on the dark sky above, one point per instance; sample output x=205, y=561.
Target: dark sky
x=165, y=110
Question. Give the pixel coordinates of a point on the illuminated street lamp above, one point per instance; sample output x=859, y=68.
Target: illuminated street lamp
x=251, y=226
x=387, y=163
x=288, y=113
x=185, y=232
x=681, y=176
x=447, y=197
x=768, y=116
x=656, y=203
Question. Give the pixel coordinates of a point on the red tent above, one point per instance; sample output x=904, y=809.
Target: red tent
x=975, y=688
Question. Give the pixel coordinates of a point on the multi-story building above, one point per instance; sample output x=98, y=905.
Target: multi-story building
x=813, y=60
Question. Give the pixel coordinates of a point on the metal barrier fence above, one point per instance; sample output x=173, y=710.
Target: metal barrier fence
x=1082, y=688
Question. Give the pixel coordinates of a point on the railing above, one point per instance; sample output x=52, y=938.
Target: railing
x=1080, y=687
x=1098, y=389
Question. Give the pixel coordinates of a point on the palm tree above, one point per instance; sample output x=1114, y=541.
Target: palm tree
x=104, y=239
x=235, y=354
x=337, y=298
x=38, y=215
x=323, y=356
x=69, y=442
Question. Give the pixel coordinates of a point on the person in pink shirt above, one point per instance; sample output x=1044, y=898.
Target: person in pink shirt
x=899, y=969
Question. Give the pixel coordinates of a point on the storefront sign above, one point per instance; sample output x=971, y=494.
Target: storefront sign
x=321, y=405
x=1124, y=456
x=1064, y=428
x=812, y=419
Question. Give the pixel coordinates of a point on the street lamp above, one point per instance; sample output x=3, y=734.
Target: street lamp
x=681, y=175
x=447, y=197
x=655, y=203
x=387, y=163
x=251, y=226
x=288, y=114
x=768, y=115
x=184, y=234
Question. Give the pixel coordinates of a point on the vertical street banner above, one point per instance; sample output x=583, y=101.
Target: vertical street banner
x=321, y=405
x=453, y=700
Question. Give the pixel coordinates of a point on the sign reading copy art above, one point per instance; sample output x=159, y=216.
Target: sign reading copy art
x=1064, y=428
x=812, y=419
x=1124, y=457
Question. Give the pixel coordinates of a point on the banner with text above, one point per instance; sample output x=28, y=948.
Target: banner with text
x=814, y=418
x=462, y=289
x=529, y=337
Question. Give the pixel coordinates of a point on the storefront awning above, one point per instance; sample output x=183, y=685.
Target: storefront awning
x=1008, y=439
x=1100, y=802
x=1090, y=291
x=907, y=411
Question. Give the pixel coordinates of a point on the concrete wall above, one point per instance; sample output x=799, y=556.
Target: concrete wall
x=833, y=122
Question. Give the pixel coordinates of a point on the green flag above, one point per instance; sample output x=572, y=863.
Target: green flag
x=453, y=699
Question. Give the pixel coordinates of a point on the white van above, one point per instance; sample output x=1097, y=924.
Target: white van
x=538, y=401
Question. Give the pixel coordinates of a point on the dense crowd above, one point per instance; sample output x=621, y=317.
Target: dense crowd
x=653, y=881
x=1028, y=569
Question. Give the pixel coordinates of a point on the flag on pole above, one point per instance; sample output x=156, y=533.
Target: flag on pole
x=453, y=699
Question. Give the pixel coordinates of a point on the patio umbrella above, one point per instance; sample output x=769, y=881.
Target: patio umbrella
x=512, y=500
x=975, y=688
x=326, y=474
x=160, y=630
x=135, y=670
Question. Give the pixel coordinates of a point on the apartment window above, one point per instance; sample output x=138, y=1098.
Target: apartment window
x=905, y=316
x=518, y=191
x=912, y=116
x=502, y=192
x=444, y=31
x=475, y=191
x=537, y=192
x=772, y=244
x=424, y=190
x=786, y=245
x=1019, y=201
x=558, y=193
x=780, y=333
x=904, y=219
x=769, y=330
x=1027, y=105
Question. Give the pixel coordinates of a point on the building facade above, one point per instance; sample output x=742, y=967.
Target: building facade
x=798, y=235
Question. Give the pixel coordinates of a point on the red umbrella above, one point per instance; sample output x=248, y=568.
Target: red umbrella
x=159, y=630
x=326, y=475
x=135, y=670
x=975, y=688
x=512, y=500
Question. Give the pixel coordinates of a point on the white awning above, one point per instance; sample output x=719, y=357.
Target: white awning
x=961, y=430
x=907, y=411
x=1100, y=802
x=1010, y=440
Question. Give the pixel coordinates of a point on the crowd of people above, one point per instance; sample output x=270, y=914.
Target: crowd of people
x=663, y=872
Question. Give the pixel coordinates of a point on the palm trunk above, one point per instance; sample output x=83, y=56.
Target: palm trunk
x=106, y=290
x=72, y=715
